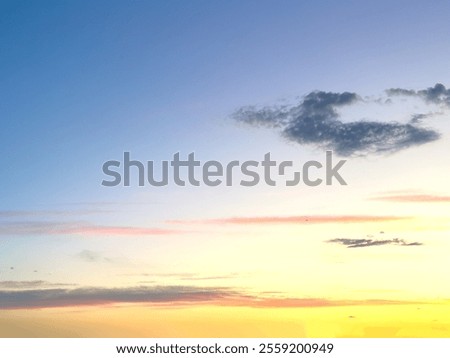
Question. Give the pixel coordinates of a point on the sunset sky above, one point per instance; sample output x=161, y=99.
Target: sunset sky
x=83, y=82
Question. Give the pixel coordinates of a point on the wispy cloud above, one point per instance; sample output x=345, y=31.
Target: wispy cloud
x=315, y=120
x=162, y=295
x=94, y=256
x=120, y=231
x=12, y=285
x=89, y=256
x=49, y=213
x=356, y=243
x=210, y=278
x=414, y=198
x=311, y=302
x=186, y=276
x=78, y=228
x=312, y=219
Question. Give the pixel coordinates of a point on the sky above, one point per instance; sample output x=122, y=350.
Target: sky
x=83, y=82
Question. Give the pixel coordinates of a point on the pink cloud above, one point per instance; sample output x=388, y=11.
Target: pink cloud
x=414, y=198
x=117, y=231
x=79, y=228
x=313, y=219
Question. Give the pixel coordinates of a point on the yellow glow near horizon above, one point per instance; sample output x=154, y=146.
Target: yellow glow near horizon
x=424, y=320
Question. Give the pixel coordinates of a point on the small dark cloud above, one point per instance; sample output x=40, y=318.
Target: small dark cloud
x=417, y=118
x=356, y=243
x=315, y=121
x=438, y=94
x=89, y=256
x=267, y=116
x=400, y=92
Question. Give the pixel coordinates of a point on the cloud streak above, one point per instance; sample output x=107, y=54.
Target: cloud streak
x=104, y=296
x=94, y=257
x=414, y=198
x=315, y=121
x=78, y=228
x=357, y=243
x=12, y=285
x=304, y=220
x=162, y=295
x=185, y=276
x=46, y=213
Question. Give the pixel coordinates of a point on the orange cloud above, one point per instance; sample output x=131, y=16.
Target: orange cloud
x=310, y=302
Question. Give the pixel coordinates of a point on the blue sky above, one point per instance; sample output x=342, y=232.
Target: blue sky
x=81, y=82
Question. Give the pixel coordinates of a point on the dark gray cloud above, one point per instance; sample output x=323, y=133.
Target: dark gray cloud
x=315, y=121
x=163, y=295
x=356, y=243
x=418, y=117
x=438, y=94
x=58, y=297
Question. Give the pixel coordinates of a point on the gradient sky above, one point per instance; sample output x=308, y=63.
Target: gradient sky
x=82, y=82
